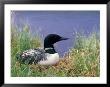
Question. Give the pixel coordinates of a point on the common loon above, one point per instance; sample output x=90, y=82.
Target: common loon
x=46, y=56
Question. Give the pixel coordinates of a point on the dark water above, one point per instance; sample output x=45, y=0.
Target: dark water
x=64, y=23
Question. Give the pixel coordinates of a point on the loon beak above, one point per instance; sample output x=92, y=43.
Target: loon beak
x=64, y=38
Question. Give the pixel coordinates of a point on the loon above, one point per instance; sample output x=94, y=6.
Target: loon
x=45, y=56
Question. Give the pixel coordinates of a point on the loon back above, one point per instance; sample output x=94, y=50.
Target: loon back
x=32, y=56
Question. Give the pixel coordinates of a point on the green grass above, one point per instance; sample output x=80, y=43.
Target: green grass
x=85, y=56
x=80, y=60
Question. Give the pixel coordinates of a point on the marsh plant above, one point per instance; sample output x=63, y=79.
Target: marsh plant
x=81, y=60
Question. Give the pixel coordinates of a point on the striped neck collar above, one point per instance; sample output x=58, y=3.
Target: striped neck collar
x=50, y=50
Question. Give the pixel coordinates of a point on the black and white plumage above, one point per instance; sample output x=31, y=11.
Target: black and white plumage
x=46, y=56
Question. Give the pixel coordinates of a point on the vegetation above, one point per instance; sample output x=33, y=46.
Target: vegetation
x=81, y=60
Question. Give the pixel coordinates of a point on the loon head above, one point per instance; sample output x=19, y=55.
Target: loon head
x=51, y=39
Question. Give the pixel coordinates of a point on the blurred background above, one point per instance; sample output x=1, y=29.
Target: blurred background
x=64, y=23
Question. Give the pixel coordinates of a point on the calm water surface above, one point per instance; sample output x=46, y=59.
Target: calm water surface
x=64, y=23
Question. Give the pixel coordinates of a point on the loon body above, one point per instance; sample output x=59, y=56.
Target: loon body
x=46, y=56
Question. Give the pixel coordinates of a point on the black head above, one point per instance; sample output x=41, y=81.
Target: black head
x=51, y=39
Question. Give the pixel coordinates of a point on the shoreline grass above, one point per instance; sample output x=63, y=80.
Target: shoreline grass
x=82, y=60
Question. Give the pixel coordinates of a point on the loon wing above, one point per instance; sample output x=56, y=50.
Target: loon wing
x=31, y=56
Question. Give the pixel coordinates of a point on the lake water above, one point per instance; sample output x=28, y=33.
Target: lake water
x=64, y=23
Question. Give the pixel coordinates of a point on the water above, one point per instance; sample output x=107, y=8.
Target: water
x=64, y=23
